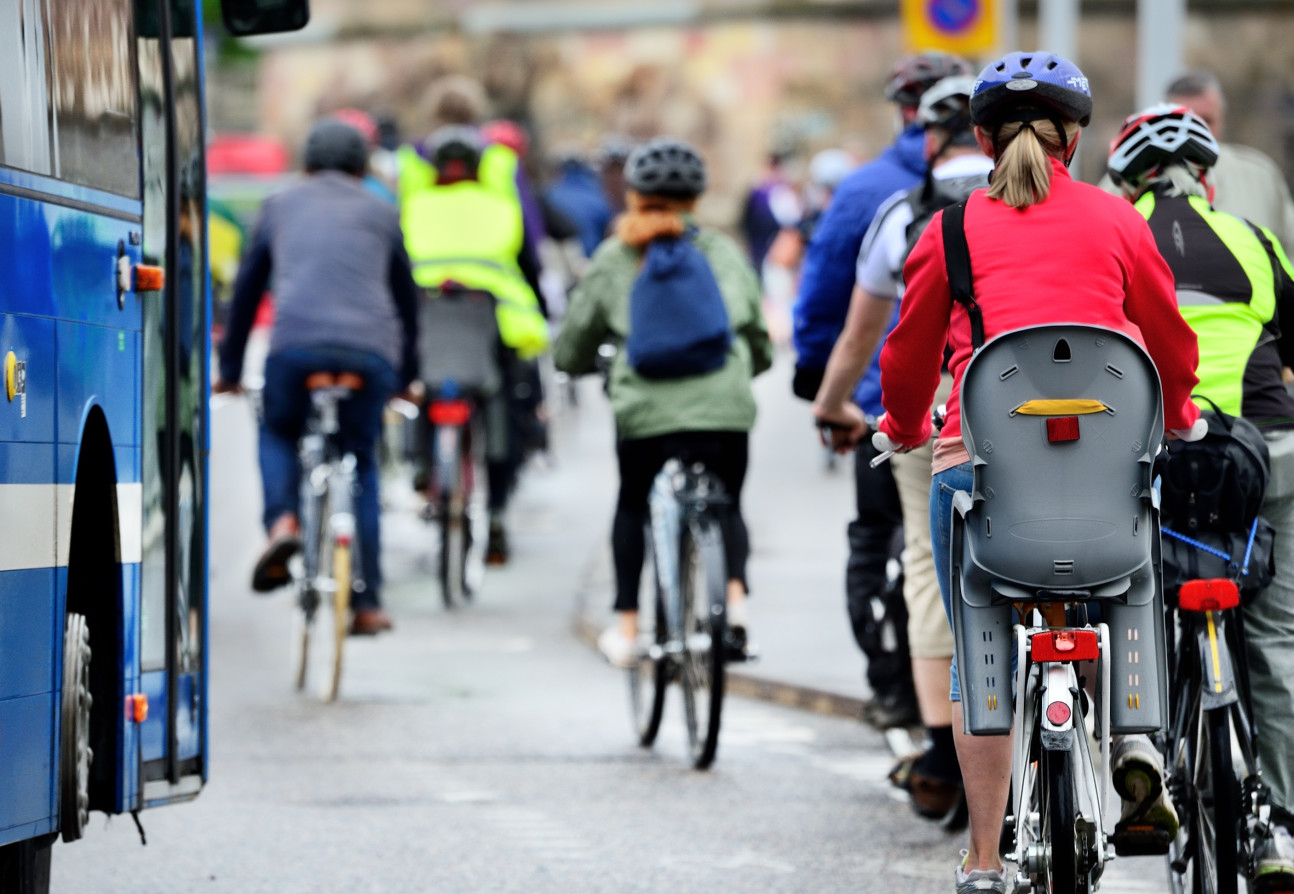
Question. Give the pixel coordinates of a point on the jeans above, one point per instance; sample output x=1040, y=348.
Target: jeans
x=942, y=488
x=285, y=406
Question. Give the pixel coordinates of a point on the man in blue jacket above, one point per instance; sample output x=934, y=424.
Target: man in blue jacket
x=826, y=283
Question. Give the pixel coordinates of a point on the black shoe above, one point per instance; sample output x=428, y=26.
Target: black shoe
x=496, y=548
x=271, y=570
x=890, y=710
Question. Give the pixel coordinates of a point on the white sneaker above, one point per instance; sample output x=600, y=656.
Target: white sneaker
x=617, y=648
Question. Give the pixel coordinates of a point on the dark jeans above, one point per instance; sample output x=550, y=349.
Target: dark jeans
x=877, y=613
x=725, y=453
x=285, y=406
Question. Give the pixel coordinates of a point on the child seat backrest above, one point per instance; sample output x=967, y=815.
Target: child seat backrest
x=1062, y=423
x=458, y=341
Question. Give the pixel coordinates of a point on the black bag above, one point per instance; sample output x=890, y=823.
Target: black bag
x=1216, y=484
x=1200, y=560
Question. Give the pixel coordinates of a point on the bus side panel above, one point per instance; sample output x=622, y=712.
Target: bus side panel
x=130, y=750
x=98, y=366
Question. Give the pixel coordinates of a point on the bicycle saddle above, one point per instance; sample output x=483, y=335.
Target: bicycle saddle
x=346, y=381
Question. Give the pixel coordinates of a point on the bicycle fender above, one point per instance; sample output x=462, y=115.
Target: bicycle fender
x=1217, y=671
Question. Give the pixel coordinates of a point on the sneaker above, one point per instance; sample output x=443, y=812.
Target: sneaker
x=1274, y=862
x=496, y=548
x=932, y=798
x=617, y=648
x=979, y=880
x=892, y=709
x=1149, y=821
x=736, y=640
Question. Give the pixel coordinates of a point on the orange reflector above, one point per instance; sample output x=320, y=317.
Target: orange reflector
x=137, y=707
x=1065, y=645
x=1208, y=595
x=1058, y=713
x=449, y=412
x=1062, y=428
x=149, y=278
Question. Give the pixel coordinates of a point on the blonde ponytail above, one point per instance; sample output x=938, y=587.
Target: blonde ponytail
x=1022, y=176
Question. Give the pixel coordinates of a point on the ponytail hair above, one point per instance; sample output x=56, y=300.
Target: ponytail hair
x=1024, y=149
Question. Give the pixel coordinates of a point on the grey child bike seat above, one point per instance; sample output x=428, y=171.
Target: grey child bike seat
x=1062, y=423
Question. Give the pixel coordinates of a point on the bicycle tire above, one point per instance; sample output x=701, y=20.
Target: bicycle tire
x=1058, y=821
x=704, y=601
x=1215, y=817
x=342, y=580
x=649, y=677
x=453, y=551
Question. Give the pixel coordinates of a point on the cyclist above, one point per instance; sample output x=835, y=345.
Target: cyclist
x=957, y=167
x=460, y=230
x=1235, y=285
x=707, y=417
x=1027, y=109
x=822, y=303
x=345, y=301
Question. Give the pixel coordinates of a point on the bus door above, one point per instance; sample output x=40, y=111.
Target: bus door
x=173, y=610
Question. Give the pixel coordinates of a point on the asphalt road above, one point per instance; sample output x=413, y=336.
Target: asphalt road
x=489, y=750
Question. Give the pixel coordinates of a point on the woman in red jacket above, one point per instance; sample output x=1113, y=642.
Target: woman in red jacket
x=1044, y=249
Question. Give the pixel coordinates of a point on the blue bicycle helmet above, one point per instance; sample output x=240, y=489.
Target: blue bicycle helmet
x=1041, y=79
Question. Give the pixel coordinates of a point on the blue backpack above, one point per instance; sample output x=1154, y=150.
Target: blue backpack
x=678, y=324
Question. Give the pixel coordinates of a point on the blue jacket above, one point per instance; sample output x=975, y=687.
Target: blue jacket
x=827, y=277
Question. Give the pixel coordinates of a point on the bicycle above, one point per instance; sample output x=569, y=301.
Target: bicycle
x=1032, y=553
x=459, y=351
x=684, y=624
x=327, y=571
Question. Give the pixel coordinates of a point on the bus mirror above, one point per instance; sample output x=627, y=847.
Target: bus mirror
x=248, y=17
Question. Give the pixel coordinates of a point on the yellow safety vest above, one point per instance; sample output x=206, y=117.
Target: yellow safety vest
x=497, y=171
x=469, y=233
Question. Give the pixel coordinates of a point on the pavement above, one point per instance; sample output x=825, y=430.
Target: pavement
x=796, y=505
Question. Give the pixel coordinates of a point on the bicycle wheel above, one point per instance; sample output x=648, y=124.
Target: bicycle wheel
x=1215, y=814
x=1058, y=821
x=704, y=601
x=342, y=578
x=649, y=678
x=453, y=551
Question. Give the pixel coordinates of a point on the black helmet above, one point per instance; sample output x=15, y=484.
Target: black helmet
x=333, y=145
x=455, y=150
x=666, y=167
x=914, y=75
x=1159, y=136
x=1038, y=79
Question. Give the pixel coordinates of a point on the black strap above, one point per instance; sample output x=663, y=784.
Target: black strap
x=958, y=263
x=1278, y=269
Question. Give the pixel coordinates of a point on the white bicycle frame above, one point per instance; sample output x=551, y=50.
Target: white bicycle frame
x=1058, y=682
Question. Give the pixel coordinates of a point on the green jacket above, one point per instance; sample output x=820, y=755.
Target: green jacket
x=717, y=401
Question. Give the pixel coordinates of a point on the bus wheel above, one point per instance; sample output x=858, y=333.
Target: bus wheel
x=24, y=866
x=75, y=754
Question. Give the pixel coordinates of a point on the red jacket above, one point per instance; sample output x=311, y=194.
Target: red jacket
x=1081, y=256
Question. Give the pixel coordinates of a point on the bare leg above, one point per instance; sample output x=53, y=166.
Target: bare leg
x=986, y=774
x=628, y=624
x=931, y=678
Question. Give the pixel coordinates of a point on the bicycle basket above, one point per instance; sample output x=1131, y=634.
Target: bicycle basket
x=458, y=339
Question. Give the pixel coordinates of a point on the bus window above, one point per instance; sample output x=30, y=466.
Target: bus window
x=95, y=98
x=24, y=95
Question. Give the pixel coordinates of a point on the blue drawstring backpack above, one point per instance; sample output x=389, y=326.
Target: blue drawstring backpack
x=678, y=324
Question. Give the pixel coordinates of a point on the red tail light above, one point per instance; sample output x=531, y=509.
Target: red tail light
x=449, y=412
x=1208, y=595
x=1062, y=428
x=1066, y=645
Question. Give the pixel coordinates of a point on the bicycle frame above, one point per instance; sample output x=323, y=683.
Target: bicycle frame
x=327, y=479
x=1047, y=704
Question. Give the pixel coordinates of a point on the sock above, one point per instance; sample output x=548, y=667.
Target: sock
x=940, y=760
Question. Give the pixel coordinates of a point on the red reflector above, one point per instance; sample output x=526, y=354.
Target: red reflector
x=1208, y=595
x=149, y=278
x=1062, y=428
x=1065, y=645
x=1058, y=713
x=449, y=412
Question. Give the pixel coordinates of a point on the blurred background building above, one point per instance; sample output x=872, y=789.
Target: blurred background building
x=738, y=77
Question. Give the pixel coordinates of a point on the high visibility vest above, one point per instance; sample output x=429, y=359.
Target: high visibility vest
x=497, y=171
x=1231, y=318
x=470, y=234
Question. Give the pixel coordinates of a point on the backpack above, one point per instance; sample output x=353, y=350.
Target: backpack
x=1211, y=492
x=932, y=196
x=678, y=323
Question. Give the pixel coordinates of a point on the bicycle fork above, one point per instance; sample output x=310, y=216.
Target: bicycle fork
x=1054, y=652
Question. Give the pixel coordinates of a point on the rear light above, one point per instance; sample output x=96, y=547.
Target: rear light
x=1058, y=713
x=449, y=412
x=1065, y=645
x=149, y=278
x=1062, y=428
x=1208, y=595
x=137, y=707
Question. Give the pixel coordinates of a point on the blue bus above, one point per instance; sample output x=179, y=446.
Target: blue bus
x=104, y=349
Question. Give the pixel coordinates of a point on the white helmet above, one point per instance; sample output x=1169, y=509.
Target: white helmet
x=830, y=166
x=1154, y=138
